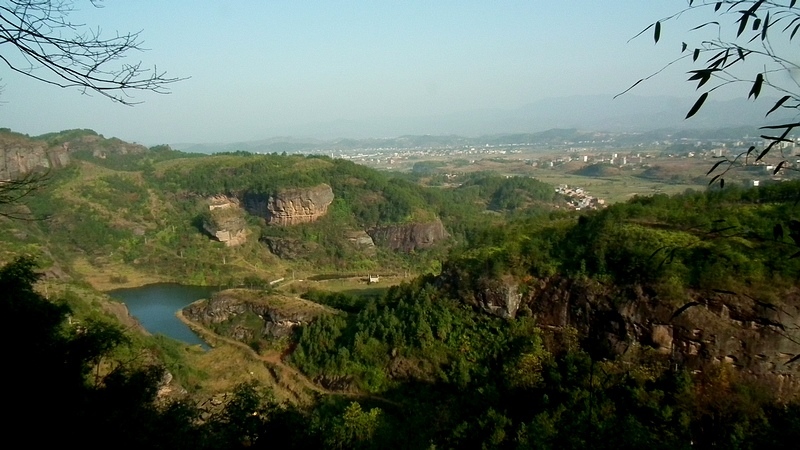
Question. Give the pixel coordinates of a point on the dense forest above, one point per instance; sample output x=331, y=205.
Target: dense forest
x=666, y=322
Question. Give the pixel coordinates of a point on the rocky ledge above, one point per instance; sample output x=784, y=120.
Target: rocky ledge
x=20, y=156
x=705, y=328
x=290, y=206
x=248, y=315
x=409, y=237
x=225, y=221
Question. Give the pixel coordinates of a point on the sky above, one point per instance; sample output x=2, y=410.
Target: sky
x=256, y=69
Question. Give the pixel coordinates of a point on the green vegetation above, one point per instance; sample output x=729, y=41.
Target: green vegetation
x=127, y=215
x=419, y=365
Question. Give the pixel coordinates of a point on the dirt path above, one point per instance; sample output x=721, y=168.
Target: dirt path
x=281, y=371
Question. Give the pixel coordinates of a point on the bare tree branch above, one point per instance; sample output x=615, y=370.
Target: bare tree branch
x=14, y=190
x=38, y=40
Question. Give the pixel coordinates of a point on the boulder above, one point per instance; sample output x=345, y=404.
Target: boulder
x=225, y=221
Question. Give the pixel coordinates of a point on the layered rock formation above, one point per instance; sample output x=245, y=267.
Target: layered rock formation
x=289, y=248
x=711, y=327
x=291, y=206
x=409, y=237
x=361, y=241
x=101, y=147
x=20, y=155
x=225, y=221
x=247, y=315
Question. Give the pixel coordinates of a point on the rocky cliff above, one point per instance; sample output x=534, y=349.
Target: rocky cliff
x=291, y=206
x=248, y=316
x=707, y=327
x=290, y=248
x=99, y=146
x=409, y=237
x=225, y=221
x=19, y=155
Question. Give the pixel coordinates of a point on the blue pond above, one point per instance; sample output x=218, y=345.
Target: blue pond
x=155, y=305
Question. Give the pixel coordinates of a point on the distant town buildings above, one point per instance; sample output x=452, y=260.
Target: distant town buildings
x=579, y=199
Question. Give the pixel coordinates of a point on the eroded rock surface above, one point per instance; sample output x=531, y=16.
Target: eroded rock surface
x=247, y=315
x=705, y=328
x=289, y=248
x=225, y=221
x=20, y=156
x=291, y=206
x=409, y=237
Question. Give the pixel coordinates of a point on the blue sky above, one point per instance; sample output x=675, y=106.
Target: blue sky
x=265, y=68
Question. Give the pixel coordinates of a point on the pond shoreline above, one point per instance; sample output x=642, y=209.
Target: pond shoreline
x=155, y=306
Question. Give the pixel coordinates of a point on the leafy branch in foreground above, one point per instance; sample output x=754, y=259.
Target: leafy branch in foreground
x=750, y=42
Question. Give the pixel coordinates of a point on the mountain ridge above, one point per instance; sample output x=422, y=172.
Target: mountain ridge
x=597, y=113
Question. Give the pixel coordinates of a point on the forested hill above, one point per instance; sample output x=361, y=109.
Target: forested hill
x=125, y=211
x=664, y=322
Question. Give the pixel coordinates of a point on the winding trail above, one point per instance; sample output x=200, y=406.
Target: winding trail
x=274, y=360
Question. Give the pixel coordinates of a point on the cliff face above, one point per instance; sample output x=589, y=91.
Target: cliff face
x=292, y=206
x=102, y=147
x=247, y=315
x=20, y=155
x=225, y=221
x=289, y=248
x=409, y=237
x=706, y=328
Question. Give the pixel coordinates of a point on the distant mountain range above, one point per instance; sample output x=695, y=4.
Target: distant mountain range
x=628, y=114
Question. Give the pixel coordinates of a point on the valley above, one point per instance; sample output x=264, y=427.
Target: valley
x=558, y=294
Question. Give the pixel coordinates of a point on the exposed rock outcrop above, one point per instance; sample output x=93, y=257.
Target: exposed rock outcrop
x=101, y=147
x=20, y=155
x=409, y=237
x=247, y=315
x=225, y=221
x=707, y=327
x=361, y=241
x=289, y=248
x=291, y=206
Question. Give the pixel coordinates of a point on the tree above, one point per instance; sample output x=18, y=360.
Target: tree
x=752, y=43
x=38, y=40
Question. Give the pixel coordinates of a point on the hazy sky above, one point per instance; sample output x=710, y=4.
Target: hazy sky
x=265, y=68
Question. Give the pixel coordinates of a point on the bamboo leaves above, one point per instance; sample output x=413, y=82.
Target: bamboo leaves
x=756, y=89
x=697, y=105
x=657, y=32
